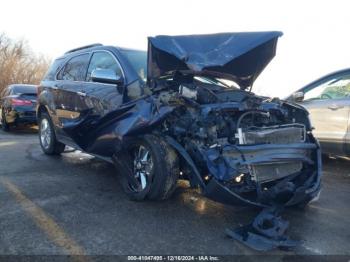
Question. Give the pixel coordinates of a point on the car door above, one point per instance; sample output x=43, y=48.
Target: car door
x=71, y=92
x=328, y=102
x=101, y=98
x=82, y=101
x=104, y=97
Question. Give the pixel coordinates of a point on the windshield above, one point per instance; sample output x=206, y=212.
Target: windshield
x=138, y=60
x=217, y=81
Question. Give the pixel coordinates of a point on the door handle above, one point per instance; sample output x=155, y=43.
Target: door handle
x=81, y=93
x=335, y=107
x=54, y=87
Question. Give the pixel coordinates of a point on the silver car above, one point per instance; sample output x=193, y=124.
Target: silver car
x=328, y=101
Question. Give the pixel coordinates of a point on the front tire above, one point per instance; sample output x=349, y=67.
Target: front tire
x=47, y=137
x=149, y=168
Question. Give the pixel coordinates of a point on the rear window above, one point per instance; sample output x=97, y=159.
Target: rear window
x=75, y=69
x=16, y=90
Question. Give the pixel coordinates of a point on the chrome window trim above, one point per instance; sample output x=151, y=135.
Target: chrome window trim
x=91, y=53
x=115, y=58
x=64, y=65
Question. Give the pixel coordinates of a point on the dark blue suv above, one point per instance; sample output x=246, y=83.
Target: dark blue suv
x=183, y=109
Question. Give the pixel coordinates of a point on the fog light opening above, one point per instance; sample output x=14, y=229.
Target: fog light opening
x=238, y=179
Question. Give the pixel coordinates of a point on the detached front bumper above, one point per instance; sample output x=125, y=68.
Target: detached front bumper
x=298, y=187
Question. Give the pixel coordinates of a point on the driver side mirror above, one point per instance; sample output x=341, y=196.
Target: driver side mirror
x=298, y=96
x=107, y=76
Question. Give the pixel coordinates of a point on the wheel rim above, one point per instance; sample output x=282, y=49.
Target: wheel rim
x=142, y=167
x=45, y=133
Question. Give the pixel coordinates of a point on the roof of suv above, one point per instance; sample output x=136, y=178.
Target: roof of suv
x=82, y=47
x=93, y=46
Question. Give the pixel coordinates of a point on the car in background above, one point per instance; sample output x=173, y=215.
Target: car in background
x=18, y=104
x=328, y=101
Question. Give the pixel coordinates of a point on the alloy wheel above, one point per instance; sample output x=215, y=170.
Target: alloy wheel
x=45, y=133
x=142, y=167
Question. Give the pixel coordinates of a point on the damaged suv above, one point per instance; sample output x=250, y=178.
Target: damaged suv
x=183, y=109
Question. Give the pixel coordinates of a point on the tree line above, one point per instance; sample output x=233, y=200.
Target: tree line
x=19, y=64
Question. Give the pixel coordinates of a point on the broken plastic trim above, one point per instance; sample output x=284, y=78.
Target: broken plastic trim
x=266, y=232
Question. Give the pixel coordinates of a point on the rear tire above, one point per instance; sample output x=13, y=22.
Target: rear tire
x=47, y=136
x=149, y=168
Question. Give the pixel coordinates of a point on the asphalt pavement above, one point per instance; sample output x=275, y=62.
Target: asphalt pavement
x=74, y=204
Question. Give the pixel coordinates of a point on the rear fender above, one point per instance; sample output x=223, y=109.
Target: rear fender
x=46, y=102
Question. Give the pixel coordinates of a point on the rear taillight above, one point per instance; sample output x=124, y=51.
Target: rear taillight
x=20, y=102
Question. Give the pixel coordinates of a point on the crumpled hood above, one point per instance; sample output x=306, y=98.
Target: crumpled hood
x=237, y=56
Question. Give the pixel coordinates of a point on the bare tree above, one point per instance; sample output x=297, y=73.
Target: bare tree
x=18, y=64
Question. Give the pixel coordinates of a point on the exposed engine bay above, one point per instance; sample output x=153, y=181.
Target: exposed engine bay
x=259, y=149
x=243, y=149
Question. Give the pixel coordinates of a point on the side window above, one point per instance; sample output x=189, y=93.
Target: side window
x=54, y=68
x=75, y=69
x=103, y=60
x=334, y=88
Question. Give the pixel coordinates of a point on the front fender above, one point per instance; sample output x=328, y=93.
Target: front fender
x=103, y=136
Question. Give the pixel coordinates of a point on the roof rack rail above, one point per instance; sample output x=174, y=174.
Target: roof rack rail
x=82, y=47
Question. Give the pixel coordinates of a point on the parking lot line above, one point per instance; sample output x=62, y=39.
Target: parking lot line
x=324, y=209
x=54, y=232
x=8, y=143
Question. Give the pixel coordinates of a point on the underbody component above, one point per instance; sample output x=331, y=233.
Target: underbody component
x=266, y=232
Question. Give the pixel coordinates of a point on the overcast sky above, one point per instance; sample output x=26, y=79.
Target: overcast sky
x=316, y=36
